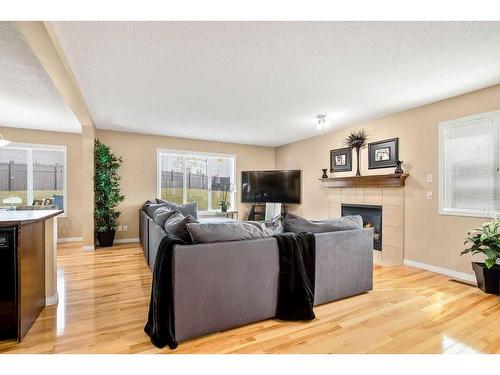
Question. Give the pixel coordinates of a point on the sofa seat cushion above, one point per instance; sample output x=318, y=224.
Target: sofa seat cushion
x=190, y=208
x=232, y=231
x=297, y=224
x=176, y=225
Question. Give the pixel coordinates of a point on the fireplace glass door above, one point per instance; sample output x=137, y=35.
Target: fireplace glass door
x=372, y=218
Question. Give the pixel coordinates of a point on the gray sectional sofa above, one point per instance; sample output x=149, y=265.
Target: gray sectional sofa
x=223, y=285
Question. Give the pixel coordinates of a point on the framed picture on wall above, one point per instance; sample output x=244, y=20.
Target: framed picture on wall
x=383, y=154
x=341, y=160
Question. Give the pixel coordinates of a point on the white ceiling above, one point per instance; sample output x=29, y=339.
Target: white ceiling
x=263, y=83
x=28, y=98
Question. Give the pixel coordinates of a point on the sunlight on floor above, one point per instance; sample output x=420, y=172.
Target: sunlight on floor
x=451, y=346
x=61, y=306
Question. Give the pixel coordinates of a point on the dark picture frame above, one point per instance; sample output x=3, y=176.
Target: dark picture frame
x=341, y=160
x=383, y=154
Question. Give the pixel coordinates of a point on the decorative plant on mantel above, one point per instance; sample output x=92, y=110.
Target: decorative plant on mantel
x=356, y=140
x=486, y=240
x=107, y=192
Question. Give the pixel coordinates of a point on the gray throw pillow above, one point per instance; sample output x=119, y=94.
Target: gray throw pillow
x=297, y=224
x=151, y=208
x=190, y=208
x=233, y=231
x=161, y=215
x=176, y=225
x=274, y=225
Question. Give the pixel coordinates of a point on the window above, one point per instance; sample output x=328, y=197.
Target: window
x=470, y=165
x=31, y=174
x=191, y=176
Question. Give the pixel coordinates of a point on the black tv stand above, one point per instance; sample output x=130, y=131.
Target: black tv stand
x=258, y=212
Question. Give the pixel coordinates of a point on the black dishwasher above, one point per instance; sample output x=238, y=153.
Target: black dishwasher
x=8, y=283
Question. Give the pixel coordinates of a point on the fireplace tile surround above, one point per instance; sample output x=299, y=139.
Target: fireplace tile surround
x=392, y=201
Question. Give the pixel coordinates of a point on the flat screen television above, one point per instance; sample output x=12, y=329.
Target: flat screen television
x=270, y=186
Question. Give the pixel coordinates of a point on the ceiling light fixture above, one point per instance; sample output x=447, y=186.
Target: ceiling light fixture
x=3, y=142
x=322, y=123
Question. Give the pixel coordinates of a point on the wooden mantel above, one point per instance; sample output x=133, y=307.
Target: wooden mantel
x=381, y=180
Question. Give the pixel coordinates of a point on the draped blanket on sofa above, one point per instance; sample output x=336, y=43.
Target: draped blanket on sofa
x=160, y=326
x=297, y=252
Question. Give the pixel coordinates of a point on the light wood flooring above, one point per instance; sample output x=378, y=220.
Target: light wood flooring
x=104, y=300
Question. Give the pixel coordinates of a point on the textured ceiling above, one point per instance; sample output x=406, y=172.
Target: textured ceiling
x=28, y=98
x=264, y=82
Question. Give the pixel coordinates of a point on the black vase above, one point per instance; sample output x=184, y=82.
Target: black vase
x=358, y=173
x=106, y=238
x=324, y=174
x=398, y=169
x=223, y=208
x=488, y=279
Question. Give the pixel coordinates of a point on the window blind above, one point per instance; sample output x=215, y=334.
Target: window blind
x=471, y=162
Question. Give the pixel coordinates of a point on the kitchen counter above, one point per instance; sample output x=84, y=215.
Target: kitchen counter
x=28, y=240
x=12, y=217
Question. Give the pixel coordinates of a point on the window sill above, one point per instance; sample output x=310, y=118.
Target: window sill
x=213, y=213
x=478, y=214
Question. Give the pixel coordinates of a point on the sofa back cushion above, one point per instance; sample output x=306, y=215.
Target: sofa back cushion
x=146, y=205
x=297, y=224
x=190, y=208
x=176, y=225
x=232, y=231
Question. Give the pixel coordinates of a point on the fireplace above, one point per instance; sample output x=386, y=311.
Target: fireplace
x=372, y=218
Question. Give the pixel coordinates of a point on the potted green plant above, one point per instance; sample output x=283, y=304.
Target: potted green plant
x=224, y=189
x=107, y=193
x=486, y=240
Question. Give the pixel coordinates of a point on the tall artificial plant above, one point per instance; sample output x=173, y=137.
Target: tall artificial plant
x=107, y=192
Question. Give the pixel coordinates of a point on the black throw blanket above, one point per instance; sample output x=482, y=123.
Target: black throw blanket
x=297, y=261
x=160, y=325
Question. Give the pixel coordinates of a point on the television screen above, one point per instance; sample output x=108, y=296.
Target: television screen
x=270, y=186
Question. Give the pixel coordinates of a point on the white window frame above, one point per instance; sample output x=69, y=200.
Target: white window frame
x=30, y=147
x=443, y=126
x=160, y=151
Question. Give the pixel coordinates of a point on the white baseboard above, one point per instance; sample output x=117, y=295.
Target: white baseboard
x=52, y=300
x=127, y=240
x=69, y=239
x=88, y=248
x=443, y=271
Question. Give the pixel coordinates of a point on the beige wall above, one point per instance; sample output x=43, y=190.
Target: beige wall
x=139, y=167
x=70, y=226
x=429, y=237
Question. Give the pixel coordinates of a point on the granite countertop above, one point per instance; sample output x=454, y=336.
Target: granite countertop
x=26, y=216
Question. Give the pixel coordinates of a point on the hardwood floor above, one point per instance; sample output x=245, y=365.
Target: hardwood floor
x=104, y=301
